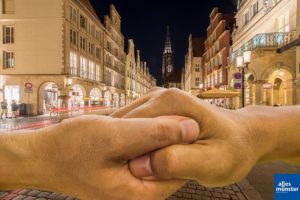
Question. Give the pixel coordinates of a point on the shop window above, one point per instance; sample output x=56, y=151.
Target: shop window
x=12, y=92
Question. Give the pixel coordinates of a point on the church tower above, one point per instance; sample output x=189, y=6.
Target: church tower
x=168, y=59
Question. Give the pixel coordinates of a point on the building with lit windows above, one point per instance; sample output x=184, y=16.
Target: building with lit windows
x=192, y=78
x=114, y=60
x=217, y=47
x=63, y=53
x=270, y=30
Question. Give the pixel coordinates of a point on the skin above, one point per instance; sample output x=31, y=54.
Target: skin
x=230, y=142
x=87, y=157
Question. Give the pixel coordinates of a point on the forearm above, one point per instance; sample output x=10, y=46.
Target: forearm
x=17, y=160
x=277, y=132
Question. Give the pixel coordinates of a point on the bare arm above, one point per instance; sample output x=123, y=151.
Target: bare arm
x=279, y=128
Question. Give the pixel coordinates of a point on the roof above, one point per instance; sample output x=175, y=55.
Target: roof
x=198, y=47
x=89, y=6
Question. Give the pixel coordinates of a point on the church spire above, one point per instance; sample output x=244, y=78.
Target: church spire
x=168, y=45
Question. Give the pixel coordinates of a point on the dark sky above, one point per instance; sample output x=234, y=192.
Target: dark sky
x=145, y=21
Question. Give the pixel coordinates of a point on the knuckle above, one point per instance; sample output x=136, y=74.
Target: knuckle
x=167, y=163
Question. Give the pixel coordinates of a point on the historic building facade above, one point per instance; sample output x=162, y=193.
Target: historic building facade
x=59, y=54
x=270, y=30
x=217, y=47
x=192, y=75
x=138, y=79
x=171, y=77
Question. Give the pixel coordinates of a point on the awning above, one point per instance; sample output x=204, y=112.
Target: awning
x=216, y=94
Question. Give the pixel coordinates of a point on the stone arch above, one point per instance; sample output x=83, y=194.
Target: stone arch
x=77, y=94
x=269, y=70
x=282, y=91
x=48, y=97
x=95, y=96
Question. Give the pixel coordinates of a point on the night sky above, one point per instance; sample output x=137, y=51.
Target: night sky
x=145, y=21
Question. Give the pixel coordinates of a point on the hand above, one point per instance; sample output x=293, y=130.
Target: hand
x=87, y=157
x=227, y=149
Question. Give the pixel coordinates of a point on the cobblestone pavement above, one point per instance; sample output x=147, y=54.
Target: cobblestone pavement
x=191, y=191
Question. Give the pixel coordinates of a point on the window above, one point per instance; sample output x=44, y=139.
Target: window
x=8, y=34
x=97, y=35
x=98, y=52
x=73, y=63
x=197, y=68
x=73, y=37
x=82, y=43
x=8, y=59
x=255, y=9
x=197, y=81
x=83, y=22
x=91, y=48
x=8, y=6
x=83, y=67
x=97, y=73
x=92, y=70
x=283, y=23
x=73, y=14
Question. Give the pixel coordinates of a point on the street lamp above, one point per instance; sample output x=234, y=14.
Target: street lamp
x=242, y=63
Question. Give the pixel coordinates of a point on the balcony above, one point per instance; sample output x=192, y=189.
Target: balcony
x=265, y=41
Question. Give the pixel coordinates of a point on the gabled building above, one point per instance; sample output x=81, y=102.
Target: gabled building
x=192, y=78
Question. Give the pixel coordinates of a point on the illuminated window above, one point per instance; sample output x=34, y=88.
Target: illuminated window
x=97, y=73
x=91, y=70
x=83, y=67
x=73, y=63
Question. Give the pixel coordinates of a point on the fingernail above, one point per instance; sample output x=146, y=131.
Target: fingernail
x=190, y=130
x=141, y=167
